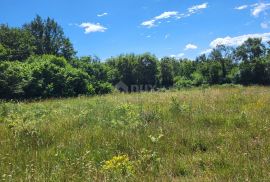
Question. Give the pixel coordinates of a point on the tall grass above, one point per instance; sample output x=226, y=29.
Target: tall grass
x=214, y=134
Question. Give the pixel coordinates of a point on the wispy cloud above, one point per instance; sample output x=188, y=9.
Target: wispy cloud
x=165, y=15
x=207, y=51
x=196, y=8
x=180, y=55
x=103, y=14
x=242, y=7
x=259, y=8
x=256, y=9
x=91, y=27
x=173, y=14
x=236, y=41
x=149, y=23
x=265, y=25
x=167, y=36
x=190, y=46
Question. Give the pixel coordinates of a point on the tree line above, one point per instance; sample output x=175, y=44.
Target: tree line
x=38, y=61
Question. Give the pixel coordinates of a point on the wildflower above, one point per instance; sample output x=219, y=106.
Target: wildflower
x=119, y=165
x=155, y=139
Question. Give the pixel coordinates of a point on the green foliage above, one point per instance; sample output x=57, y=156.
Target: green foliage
x=14, y=77
x=178, y=108
x=233, y=75
x=47, y=76
x=49, y=38
x=186, y=68
x=166, y=72
x=182, y=82
x=54, y=77
x=198, y=79
x=223, y=55
x=3, y=52
x=215, y=73
x=250, y=50
x=15, y=44
x=146, y=69
x=256, y=72
x=134, y=69
x=103, y=87
x=126, y=117
x=98, y=72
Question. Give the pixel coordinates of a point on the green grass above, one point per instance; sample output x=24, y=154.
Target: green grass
x=214, y=134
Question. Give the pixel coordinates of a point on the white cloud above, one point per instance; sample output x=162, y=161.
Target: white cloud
x=241, y=7
x=180, y=55
x=148, y=36
x=167, y=36
x=190, y=46
x=166, y=15
x=207, y=51
x=256, y=9
x=173, y=14
x=264, y=25
x=103, y=14
x=91, y=27
x=195, y=8
x=236, y=41
x=149, y=23
x=259, y=8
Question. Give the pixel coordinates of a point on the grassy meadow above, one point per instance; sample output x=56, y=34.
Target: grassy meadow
x=203, y=134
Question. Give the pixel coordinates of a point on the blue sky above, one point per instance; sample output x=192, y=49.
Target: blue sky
x=180, y=28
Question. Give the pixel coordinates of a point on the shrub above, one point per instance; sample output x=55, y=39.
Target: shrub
x=182, y=82
x=126, y=117
x=198, y=79
x=103, y=88
x=14, y=78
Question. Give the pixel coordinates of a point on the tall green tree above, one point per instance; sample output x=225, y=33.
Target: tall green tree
x=49, y=38
x=15, y=44
x=146, y=70
x=125, y=66
x=166, y=72
x=224, y=56
x=251, y=49
x=253, y=62
x=3, y=53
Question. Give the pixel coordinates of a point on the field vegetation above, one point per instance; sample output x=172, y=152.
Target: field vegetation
x=202, y=134
x=62, y=117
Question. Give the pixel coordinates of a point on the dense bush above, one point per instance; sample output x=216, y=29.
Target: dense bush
x=140, y=70
x=53, y=77
x=182, y=82
x=46, y=76
x=14, y=78
x=256, y=72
